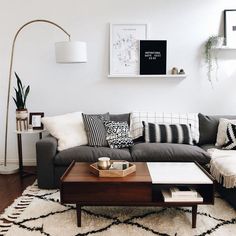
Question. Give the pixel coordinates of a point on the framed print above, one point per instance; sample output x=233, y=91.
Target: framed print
x=124, y=47
x=35, y=120
x=230, y=27
x=153, y=57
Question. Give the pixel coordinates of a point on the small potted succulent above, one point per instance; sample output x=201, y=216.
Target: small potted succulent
x=210, y=54
x=21, y=94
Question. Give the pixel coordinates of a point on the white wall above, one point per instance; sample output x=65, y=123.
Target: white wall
x=57, y=88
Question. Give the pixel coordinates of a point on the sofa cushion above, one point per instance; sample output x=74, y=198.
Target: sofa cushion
x=68, y=129
x=230, y=143
x=209, y=146
x=208, y=127
x=90, y=154
x=222, y=131
x=121, y=117
x=152, y=152
x=137, y=117
x=95, y=129
x=167, y=133
x=118, y=134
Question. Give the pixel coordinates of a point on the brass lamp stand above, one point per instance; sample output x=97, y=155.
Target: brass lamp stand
x=78, y=49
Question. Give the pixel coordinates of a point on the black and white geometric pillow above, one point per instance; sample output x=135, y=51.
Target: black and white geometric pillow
x=117, y=134
x=167, y=133
x=230, y=143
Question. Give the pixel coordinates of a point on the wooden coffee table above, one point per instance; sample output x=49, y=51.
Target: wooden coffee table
x=79, y=186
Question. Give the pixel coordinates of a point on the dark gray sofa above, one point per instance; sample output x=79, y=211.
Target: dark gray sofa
x=51, y=164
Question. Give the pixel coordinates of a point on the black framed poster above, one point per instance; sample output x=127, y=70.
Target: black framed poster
x=153, y=57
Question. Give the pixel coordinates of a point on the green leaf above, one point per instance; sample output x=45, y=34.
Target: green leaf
x=16, y=99
x=19, y=84
x=19, y=100
x=26, y=94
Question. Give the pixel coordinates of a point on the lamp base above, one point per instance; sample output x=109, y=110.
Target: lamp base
x=9, y=169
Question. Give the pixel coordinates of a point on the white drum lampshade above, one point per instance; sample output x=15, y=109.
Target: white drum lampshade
x=71, y=52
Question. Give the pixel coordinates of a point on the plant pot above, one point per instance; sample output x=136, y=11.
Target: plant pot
x=21, y=114
x=21, y=119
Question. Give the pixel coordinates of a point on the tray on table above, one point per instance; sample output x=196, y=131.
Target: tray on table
x=112, y=172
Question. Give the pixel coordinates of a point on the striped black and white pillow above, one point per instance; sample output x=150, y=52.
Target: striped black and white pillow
x=95, y=130
x=167, y=133
x=230, y=137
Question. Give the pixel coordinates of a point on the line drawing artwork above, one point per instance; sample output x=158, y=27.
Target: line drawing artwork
x=125, y=48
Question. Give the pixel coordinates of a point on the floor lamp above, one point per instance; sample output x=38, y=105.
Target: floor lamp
x=66, y=52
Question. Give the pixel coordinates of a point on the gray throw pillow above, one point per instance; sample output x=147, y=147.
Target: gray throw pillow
x=95, y=129
x=208, y=127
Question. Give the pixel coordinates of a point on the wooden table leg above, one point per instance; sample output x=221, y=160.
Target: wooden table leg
x=19, y=142
x=78, y=210
x=194, y=216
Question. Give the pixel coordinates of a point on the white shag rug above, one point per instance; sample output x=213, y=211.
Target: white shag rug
x=39, y=212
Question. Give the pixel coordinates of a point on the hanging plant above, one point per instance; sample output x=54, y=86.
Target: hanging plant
x=211, y=55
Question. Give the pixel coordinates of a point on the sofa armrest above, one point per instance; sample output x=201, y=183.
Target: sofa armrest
x=46, y=150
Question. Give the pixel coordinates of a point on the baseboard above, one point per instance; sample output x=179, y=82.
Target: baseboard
x=25, y=162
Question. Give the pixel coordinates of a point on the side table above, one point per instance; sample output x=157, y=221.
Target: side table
x=24, y=173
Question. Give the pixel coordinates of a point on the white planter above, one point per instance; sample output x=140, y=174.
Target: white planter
x=22, y=120
x=22, y=114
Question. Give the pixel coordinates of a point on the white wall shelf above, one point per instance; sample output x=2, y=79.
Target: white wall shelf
x=224, y=48
x=167, y=76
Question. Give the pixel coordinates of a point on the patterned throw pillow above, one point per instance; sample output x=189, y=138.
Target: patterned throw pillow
x=118, y=134
x=136, y=118
x=230, y=137
x=222, y=128
x=95, y=129
x=167, y=133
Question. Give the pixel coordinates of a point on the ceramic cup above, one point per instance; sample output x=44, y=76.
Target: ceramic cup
x=104, y=163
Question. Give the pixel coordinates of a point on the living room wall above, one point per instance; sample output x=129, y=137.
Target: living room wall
x=61, y=88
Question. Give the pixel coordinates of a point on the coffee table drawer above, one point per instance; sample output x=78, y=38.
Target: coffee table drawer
x=106, y=192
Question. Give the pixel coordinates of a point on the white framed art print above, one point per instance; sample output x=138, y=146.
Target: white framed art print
x=124, y=47
x=230, y=27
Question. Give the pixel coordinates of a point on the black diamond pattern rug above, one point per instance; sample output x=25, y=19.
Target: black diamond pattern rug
x=39, y=212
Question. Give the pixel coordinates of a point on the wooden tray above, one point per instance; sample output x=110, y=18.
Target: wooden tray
x=112, y=173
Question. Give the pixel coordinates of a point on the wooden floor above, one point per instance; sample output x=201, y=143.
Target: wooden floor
x=11, y=187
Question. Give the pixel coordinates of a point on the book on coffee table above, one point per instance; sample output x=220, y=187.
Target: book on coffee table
x=168, y=197
x=183, y=192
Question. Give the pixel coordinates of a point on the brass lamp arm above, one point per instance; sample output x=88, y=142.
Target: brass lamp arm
x=10, y=72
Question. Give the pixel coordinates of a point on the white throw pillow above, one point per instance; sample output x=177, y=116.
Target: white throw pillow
x=136, y=118
x=221, y=134
x=68, y=129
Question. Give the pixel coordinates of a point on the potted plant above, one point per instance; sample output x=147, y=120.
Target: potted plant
x=20, y=99
x=210, y=54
